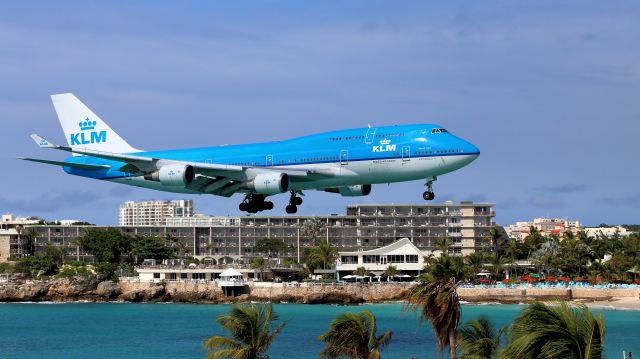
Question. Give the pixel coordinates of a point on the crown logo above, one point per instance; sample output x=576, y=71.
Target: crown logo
x=386, y=141
x=87, y=124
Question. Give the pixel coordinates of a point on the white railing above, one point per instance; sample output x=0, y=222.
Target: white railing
x=231, y=283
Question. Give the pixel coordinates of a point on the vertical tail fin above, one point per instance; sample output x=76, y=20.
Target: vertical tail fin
x=84, y=129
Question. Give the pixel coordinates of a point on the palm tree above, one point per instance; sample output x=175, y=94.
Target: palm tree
x=361, y=272
x=443, y=244
x=497, y=265
x=353, y=335
x=477, y=339
x=494, y=238
x=314, y=228
x=321, y=253
x=260, y=264
x=249, y=326
x=475, y=260
x=391, y=272
x=556, y=331
x=436, y=296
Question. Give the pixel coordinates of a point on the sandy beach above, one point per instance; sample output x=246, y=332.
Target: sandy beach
x=622, y=303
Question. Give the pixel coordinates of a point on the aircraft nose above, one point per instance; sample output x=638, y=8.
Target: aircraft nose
x=471, y=152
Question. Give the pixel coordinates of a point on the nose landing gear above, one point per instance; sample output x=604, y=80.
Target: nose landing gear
x=254, y=203
x=294, y=201
x=429, y=195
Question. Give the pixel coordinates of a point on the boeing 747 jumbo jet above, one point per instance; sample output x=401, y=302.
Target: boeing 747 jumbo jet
x=346, y=162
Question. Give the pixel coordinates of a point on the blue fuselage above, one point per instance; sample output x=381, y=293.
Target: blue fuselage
x=363, y=155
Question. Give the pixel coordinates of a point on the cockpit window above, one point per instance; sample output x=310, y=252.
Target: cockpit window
x=439, y=130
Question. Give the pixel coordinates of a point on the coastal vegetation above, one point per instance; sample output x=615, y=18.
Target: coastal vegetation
x=114, y=252
x=556, y=331
x=478, y=339
x=436, y=298
x=353, y=335
x=249, y=326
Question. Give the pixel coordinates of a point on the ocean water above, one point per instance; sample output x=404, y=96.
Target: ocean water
x=126, y=330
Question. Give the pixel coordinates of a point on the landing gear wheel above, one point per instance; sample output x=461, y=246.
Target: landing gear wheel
x=254, y=203
x=429, y=194
x=291, y=209
x=296, y=201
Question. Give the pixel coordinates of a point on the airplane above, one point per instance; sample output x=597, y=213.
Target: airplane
x=346, y=162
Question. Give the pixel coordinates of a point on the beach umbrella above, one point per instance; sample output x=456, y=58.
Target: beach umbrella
x=349, y=276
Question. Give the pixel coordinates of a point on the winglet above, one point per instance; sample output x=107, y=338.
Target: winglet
x=41, y=142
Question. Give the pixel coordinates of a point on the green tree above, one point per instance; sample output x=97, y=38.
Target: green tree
x=314, y=228
x=477, y=339
x=436, y=297
x=47, y=262
x=361, y=271
x=475, y=261
x=391, y=271
x=497, y=263
x=322, y=254
x=149, y=247
x=353, y=335
x=270, y=246
x=443, y=244
x=556, y=331
x=106, y=245
x=260, y=264
x=249, y=326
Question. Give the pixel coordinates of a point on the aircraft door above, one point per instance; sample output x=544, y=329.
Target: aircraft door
x=406, y=153
x=344, y=157
x=269, y=161
x=371, y=134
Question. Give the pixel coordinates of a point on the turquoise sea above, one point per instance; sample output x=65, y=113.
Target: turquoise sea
x=125, y=330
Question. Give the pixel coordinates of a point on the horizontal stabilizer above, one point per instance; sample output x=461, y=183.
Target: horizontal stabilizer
x=41, y=142
x=80, y=166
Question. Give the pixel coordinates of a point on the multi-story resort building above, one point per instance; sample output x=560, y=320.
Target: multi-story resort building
x=619, y=231
x=154, y=213
x=364, y=227
x=546, y=226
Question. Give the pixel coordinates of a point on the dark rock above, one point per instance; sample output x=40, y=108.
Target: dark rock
x=108, y=290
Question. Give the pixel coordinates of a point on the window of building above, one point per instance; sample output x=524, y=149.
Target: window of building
x=156, y=275
x=395, y=258
x=370, y=259
x=411, y=258
x=349, y=259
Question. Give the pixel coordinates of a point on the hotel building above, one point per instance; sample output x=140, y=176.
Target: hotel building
x=154, y=213
x=364, y=227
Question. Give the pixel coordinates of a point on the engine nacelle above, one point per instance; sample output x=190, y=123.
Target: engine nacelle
x=269, y=183
x=173, y=175
x=351, y=191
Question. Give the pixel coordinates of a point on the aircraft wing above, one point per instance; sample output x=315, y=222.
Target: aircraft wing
x=219, y=179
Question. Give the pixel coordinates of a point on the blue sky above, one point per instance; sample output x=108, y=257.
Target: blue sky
x=549, y=91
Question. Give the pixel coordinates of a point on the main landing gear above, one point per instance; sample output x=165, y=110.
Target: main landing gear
x=294, y=201
x=428, y=195
x=254, y=203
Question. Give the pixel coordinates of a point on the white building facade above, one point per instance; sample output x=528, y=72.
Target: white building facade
x=402, y=254
x=154, y=213
x=546, y=226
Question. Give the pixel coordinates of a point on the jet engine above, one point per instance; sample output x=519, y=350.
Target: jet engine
x=351, y=191
x=172, y=175
x=269, y=183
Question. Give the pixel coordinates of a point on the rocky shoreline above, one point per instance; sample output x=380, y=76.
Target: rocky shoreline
x=92, y=290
